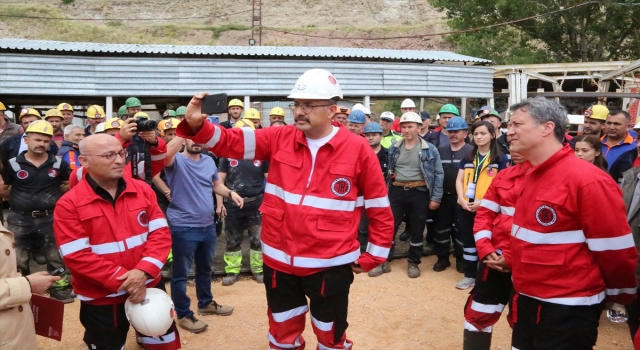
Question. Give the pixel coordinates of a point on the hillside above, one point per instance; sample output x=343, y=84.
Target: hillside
x=216, y=22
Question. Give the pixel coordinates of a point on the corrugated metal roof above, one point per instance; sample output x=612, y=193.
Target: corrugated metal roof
x=222, y=51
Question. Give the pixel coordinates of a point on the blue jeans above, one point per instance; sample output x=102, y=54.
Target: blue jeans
x=192, y=244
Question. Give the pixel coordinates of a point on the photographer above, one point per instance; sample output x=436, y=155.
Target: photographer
x=149, y=146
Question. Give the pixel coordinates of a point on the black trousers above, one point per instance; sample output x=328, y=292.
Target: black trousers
x=328, y=293
x=415, y=205
x=634, y=316
x=363, y=232
x=106, y=328
x=444, y=227
x=464, y=224
x=538, y=325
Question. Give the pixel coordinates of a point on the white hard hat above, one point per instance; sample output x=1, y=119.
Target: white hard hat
x=411, y=117
x=153, y=316
x=100, y=128
x=408, y=103
x=387, y=116
x=360, y=107
x=316, y=84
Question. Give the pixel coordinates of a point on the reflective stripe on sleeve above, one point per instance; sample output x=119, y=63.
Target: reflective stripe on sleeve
x=159, y=156
x=618, y=291
x=381, y=202
x=612, y=243
x=482, y=234
x=157, y=223
x=249, y=143
x=74, y=246
x=154, y=261
x=560, y=237
x=215, y=137
x=509, y=211
x=491, y=205
x=378, y=251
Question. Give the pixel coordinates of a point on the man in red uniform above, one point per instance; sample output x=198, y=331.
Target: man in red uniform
x=492, y=232
x=566, y=256
x=321, y=178
x=114, y=239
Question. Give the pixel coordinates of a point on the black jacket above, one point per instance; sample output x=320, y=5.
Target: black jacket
x=622, y=164
x=503, y=144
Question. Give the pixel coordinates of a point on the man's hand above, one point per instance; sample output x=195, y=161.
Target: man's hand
x=149, y=137
x=194, y=116
x=221, y=211
x=134, y=285
x=41, y=281
x=497, y=262
x=434, y=205
x=128, y=129
x=356, y=268
x=237, y=199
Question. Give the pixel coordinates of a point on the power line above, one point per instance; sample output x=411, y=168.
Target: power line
x=562, y=9
x=122, y=19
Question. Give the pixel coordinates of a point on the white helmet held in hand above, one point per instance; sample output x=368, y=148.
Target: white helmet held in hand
x=316, y=84
x=408, y=103
x=153, y=316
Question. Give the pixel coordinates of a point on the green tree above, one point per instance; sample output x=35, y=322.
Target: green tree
x=599, y=31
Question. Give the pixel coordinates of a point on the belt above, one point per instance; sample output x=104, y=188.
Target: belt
x=35, y=213
x=410, y=184
x=248, y=199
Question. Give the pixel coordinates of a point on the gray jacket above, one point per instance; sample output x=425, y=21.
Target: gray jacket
x=630, y=179
x=430, y=165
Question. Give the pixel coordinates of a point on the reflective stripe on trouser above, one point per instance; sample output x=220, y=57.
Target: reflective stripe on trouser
x=487, y=300
x=233, y=261
x=237, y=220
x=255, y=260
x=542, y=325
x=464, y=224
x=328, y=293
x=444, y=225
x=170, y=257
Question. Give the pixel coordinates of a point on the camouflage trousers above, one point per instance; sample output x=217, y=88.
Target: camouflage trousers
x=237, y=220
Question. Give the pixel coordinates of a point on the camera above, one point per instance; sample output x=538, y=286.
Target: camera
x=146, y=124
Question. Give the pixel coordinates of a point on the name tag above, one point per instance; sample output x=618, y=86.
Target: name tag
x=471, y=191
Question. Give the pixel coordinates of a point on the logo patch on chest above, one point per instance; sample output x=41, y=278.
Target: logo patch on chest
x=546, y=216
x=22, y=174
x=52, y=173
x=233, y=163
x=143, y=218
x=341, y=186
x=257, y=163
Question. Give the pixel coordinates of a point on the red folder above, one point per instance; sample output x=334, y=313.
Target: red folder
x=48, y=315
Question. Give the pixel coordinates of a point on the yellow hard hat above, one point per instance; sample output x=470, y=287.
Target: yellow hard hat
x=243, y=123
x=598, y=112
x=40, y=127
x=235, y=103
x=2, y=107
x=164, y=125
x=141, y=114
x=277, y=111
x=95, y=112
x=53, y=113
x=113, y=123
x=64, y=107
x=252, y=114
x=29, y=111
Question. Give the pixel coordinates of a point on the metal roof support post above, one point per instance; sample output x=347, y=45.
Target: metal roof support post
x=108, y=107
x=367, y=102
x=524, y=79
x=247, y=102
x=421, y=104
x=463, y=107
x=491, y=102
x=513, y=88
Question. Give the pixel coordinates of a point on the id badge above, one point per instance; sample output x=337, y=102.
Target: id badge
x=471, y=191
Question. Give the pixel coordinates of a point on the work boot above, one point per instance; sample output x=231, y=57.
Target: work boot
x=404, y=236
x=380, y=269
x=412, y=270
x=62, y=294
x=466, y=283
x=230, y=279
x=259, y=277
x=39, y=258
x=460, y=265
x=215, y=309
x=441, y=264
x=428, y=249
x=192, y=324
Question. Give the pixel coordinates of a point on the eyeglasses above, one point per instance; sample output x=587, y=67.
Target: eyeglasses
x=111, y=155
x=306, y=107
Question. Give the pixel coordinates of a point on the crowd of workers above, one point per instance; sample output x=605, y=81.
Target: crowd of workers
x=517, y=210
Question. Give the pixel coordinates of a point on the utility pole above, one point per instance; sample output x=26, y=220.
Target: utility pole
x=256, y=24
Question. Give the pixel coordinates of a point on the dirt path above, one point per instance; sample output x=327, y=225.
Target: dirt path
x=386, y=313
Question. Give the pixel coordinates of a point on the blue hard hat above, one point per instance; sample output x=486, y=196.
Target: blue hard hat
x=357, y=117
x=457, y=123
x=372, y=127
x=424, y=115
x=214, y=119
